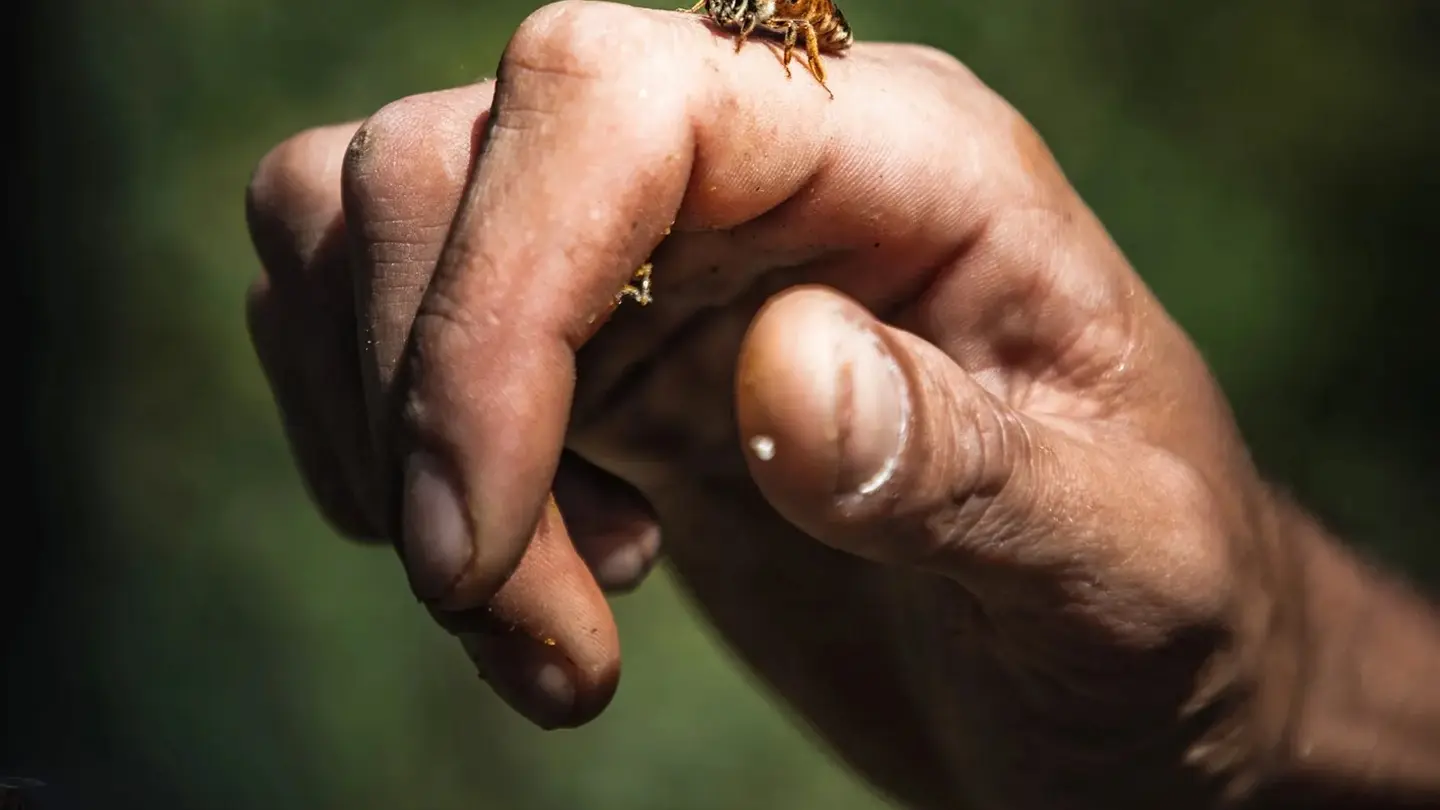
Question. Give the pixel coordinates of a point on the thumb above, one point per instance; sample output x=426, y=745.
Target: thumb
x=876, y=443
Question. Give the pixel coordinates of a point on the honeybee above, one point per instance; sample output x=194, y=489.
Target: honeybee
x=820, y=21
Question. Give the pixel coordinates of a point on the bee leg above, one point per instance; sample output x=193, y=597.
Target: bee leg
x=812, y=51
x=790, y=35
x=746, y=28
x=745, y=32
x=695, y=8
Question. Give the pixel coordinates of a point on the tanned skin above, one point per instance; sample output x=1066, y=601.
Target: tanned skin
x=924, y=448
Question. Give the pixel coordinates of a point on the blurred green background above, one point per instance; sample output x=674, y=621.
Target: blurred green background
x=190, y=635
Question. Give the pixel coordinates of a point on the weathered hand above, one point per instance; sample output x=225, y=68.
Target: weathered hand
x=923, y=446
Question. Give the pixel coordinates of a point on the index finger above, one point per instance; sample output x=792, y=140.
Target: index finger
x=610, y=123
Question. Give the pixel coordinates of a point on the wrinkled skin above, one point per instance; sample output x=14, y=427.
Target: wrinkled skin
x=998, y=540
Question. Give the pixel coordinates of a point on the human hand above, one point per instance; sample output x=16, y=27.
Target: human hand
x=923, y=446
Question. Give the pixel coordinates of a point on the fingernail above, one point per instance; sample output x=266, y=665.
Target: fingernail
x=628, y=562
x=872, y=410
x=435, y=535
x=534, y=678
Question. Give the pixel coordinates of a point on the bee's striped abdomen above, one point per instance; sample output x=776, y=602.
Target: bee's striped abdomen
x=836, y=34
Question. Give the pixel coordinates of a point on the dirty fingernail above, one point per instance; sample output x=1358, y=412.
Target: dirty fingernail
x=871, y=403
x=435, y=535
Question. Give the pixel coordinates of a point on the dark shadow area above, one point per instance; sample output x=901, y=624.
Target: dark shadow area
x=1353, y=431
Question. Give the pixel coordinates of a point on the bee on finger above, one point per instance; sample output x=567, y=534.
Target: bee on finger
x=819, y=22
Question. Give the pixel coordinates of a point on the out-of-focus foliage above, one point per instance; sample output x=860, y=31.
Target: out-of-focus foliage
x=206, y=642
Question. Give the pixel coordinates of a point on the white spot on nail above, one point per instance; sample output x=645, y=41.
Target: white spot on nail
x=763, y=447
x=551, y=680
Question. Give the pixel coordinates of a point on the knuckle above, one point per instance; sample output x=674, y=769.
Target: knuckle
x=574, y=38
x=293, y=200
x=571, y=57
x=406, y=166
x=985, y=466
x=290, y=178
x=996, y=445
x=395, y=143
